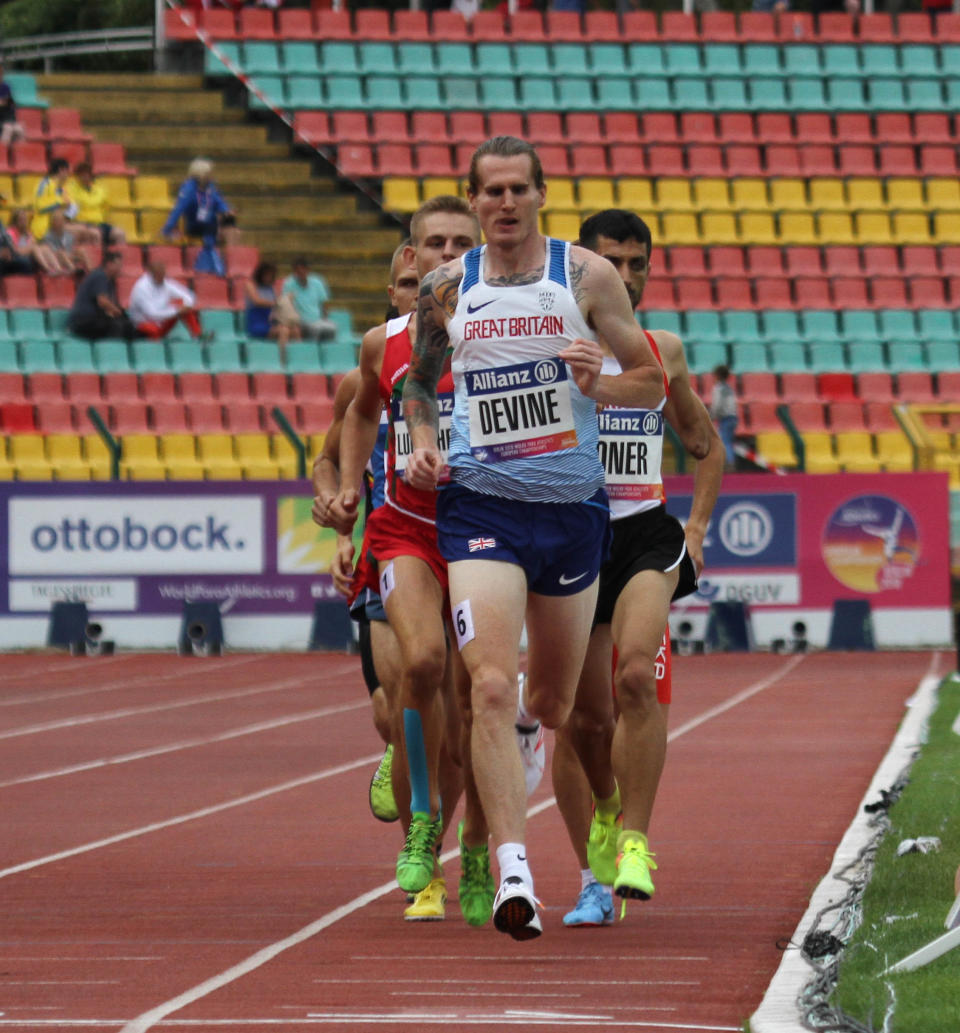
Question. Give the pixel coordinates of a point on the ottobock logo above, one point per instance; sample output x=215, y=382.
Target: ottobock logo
x=746, y=529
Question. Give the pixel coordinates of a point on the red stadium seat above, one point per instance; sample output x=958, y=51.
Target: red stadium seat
x=257, y=23
x=782, y=160
x=799, y=387
x=583, y=127
x=211, y=292
x=510, y=123
x=603, y=27
x=725, y=260
x=58, y=291
x=269, y=388
x=29, y=156
x=677, y=26
x=705, y=160
x=427, y=127
x=32, y=120
x=205, y=417
x=526, y=26
x=83, y=389
x=737, y=127
x=932, y=127
x=12, y=388
x=172, y=258
x=836, y=27
x=795, y=27
x=888, y=292
x=803, y=261
x=434, y=159
x=856, y=160
x=772, y=292
x=589, y=160
x=109, y=159
x=842, y=261
x=169, y=417
x=158, y=387
x=470, y=127
x=760, y=386
x=757, y=27
x=948, y=26
x=733, y=292
x=232, y=387
x=878, y=416
x=351, y=127
x=120, y=387
x=179, y=25
x=564, y=26
x=662, y=160
x=370, y=24
x=850, y=292
x=698, y=127
x=948, y=386
x=927, y=292
x=220, y=24
x=812, y=292
x=313, y=127
x=937, y=160
x=817, y=160
x=759, y=415
x=332, y=25
x=21, y=292
x=694, y=292
x=46, y=387
x=355, y=161
x=56, y=418
x=628, y=160
x=488, y=27
x=775, y=127
x=915, y=27
x=621, y=127
x=450, y=26
x=894, y=127
x=895, y=160
x=555, y=159
x=241, y=259
x=853, y=127
x=129, y=417
x=845, y=413
x=880, y=260
x=836, y=386
x=743, y=160
x=915, y=386
x=395, y=159
x=65, y=124
x=315, y=416
x=659, y=294
x=807, y=416
x=412, y=26
x=719, y=27
x=875, y=386
x=195, y=387
x=877, y=28
x=309, y=387
x=920, y=260
x=658, y=127
x=72, y=151
x=687, y=261
x=764, y=261
x=18, y=418
x=243, y=417
x=294, y=24
x=544, y=127
x=638, y=26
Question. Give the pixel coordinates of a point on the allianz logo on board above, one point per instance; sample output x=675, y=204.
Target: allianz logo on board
x=746, y=529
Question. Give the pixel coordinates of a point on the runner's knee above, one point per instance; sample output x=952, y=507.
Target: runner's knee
x=636, y=683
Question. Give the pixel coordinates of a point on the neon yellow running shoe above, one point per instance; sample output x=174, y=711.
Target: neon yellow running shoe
x=429, y=905
x=602, y=845
x=633, y=869
x=382, y=803
x=416, y=860
x=477, y=888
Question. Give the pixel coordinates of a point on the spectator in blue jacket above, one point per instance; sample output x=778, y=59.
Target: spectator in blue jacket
x=203, y=209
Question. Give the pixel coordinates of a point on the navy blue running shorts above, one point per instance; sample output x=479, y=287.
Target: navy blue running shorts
x=560, y=546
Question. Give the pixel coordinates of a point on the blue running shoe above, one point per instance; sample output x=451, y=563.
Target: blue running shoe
x=594, y=907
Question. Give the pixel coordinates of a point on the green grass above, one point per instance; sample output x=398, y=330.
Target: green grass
x=916, y=887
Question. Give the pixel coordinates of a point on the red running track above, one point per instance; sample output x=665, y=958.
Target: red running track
x=186, y=846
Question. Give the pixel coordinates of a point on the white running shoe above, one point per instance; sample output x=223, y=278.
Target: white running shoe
x=515, y=910
x=530, y=740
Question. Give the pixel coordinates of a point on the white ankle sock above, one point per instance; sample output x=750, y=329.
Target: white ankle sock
x=512, y=860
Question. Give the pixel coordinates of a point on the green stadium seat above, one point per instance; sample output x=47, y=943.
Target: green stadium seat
x=906, y=355
x=787, y=357
x=263, y=356
x=57, y=321
x=187, y=356
x=741, y=326
x=919, y=61
x=924, y=94
x=148, y=356
x=690, y=94
x=9, y=360
x=721, y=59
x=943, y=355
x=272, y=88
x=615, y=94
x=75, y=355
x=646, y=59
x=344, y=92
x=807, y=93
x=28, y=325
x=801, y=59
x=704, y=356
x=746, y=356
x=338, y=58
x=844, y=94
x=304, y=93
x=953, y=93
x=608, y=59
x=415, y=59
x=819, y=324
x=531, y=59
x=761, y=59
x=299, y=58
x=896, y=324
x=662, y=319
x=729, y=95
x=261, y=59
x=841, y=60
x=111, y=356
x=682, y=59
x=303, y=357
x=865, y=356
x=826, y=356
x=4, y=326
x=376, y=59
x=493, y=59
x=23, y=86
x=858, y=324
x=538, y=94
x=384, y=92
x=575, y=94
x=571, y=59
x=879, y=60
x=950, y=61
x=498, y=93
x=423, y=94
x=936, y=325
x=767, y=94
x=337, y=356
x=454, y=59
x=704, y=325
x=223, y=357
x=781, y=325
x=461, y=94
x=213, y=67
x=220, y=322
x=886, y=95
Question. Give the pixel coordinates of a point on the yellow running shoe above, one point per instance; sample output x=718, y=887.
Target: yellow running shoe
x=429, y=905
x=602, y=845
x=382, y=803
x=633, y=868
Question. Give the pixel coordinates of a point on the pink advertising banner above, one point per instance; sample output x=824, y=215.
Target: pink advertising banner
x=805, y=540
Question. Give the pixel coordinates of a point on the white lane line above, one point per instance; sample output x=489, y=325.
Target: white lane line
x=181, y=819
x=155, y=708
x=150, y=1018
x=463, y=983
x=186, y=744
x=210, y=666
x=404, y=1018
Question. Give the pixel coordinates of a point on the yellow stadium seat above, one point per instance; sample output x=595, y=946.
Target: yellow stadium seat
x=866, y=192
x=905, y=193
x=34, y=471
x=215, y=447
x=564, y=225
x=117, y=189
x=758, y=228
x=434, y=186
x=635, y=194
x=946, y=227
x=261, y=470
x=950, y=463
x=711, y=192
x=561, y=195
x=223, y=470
x=719, y=228
x=25, y=189
x=126, y=221
x=27, y=447
x=827, y=194
x=140, y=472
x=151, y=223
x=97, y=456
x=680, y=228
x=788, y=194
x=873, y=228
x=894, y=450
x=943, y=194
x=821, y=464
x=7, y=470
x=749, y=194
x=594, y=193
x=177, y=471
x=835, y=228
x=798, y=228
x=66, y=458
x=152, y=192
x=853, y=445
x=178, y=447
x=911, y=228
x=818, y=443
x=673, y=195
x=861, y=464
x=775, y=447
x=6, y=188
x=139, y=459
x=401, y=195
x=250, y=448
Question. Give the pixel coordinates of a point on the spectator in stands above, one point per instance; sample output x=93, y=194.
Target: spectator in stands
x=60, y=239
x=92, y=205
x=723, y=411
x=10, y=128
x=51, y=196
x=309, y=294
x=27, y=246
x=96, y=311
x=157, y=304
x=263, y=318
x=12, y=262
x=205, y=214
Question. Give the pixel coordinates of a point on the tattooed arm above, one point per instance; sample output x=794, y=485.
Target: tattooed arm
x=438, y=300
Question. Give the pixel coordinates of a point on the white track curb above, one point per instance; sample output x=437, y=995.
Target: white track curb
x=779, y=1011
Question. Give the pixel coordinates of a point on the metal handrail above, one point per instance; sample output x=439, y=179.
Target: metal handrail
x=63, y=44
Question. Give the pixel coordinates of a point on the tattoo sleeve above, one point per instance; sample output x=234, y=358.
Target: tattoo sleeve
x=438, y=299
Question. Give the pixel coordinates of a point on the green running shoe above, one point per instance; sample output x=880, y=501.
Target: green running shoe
x=382, y=803
x=477, y=888
x=602, y=846
x=633, y=869
x=416, y=860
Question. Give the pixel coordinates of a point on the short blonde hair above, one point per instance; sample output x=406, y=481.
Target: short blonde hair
x=200, y=167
